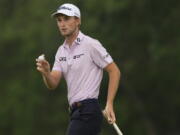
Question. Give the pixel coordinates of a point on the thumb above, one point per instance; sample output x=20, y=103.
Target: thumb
x=104, y=113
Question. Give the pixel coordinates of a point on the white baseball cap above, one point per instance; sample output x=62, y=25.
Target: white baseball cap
x=68, y=9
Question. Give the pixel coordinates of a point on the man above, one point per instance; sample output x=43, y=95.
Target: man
x=81, y=60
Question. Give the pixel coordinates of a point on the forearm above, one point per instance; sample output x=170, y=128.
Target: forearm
x=114, y=77
x=51, y=78
x=50, y=81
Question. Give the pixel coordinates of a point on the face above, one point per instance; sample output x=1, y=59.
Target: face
x=67, y=24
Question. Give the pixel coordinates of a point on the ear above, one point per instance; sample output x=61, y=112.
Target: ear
x=78, y=21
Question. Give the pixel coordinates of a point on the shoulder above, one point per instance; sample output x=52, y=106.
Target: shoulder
x=61, y=47
x=92, y=43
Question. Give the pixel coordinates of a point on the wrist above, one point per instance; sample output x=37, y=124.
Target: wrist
x=46, y=74
x=109, y=104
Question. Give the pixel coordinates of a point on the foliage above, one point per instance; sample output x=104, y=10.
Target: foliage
x=143, y=39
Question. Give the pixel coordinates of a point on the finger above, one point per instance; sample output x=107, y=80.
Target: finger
x=104, y=113
x=39, y=64
x=113, y=118
x=43, y=62
x=40, y=69
x=110, y=116
x=110, y=121
x=107, y=116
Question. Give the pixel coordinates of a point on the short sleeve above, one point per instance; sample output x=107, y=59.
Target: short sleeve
x=57, y=64
x=99, y=55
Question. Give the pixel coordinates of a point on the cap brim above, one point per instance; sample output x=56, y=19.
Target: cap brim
x=61, y=12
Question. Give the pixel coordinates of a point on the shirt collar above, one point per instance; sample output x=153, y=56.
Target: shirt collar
x=77, y=41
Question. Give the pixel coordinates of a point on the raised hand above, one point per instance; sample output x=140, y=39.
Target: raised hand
x=43, y=66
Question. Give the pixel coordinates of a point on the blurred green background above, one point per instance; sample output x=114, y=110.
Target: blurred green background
x=143, y=37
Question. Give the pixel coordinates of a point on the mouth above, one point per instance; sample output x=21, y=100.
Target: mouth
x=63, y=29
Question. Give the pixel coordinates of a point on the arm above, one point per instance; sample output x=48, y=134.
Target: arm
x=114, y=77
x=51, y=78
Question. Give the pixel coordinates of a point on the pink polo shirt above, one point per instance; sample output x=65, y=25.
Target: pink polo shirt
x=82, y=67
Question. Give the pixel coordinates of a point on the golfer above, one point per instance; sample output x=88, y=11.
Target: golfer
x=81, y=60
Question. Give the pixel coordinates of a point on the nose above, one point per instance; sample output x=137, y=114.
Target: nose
x=61, y=23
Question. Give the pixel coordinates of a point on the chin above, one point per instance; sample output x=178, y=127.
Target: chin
x=65, y=34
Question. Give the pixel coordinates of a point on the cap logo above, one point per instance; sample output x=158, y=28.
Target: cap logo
x=67, y=8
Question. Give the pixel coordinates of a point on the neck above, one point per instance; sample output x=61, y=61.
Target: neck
x=70, y=39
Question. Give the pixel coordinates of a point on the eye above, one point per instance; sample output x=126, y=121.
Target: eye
x=58, y=19
x=66, y=18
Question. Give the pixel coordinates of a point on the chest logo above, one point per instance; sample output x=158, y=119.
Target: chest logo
x=62, y=59
x=77, y=56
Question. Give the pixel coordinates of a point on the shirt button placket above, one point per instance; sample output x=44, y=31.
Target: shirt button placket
x=69, y=58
